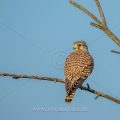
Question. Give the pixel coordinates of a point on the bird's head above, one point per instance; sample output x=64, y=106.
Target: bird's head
x=80, y=45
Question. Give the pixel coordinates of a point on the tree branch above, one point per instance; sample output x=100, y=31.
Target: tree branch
x=85, y=11
x=17, y=76
x=98, y=93
x=101, y=13
x=98, y=24
x=114, y=51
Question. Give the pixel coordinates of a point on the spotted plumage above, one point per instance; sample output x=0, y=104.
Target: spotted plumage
x=78, y=67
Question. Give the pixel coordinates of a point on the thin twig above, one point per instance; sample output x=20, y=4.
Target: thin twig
x=97, y=97
x=98, y=24
x=114, y=51
x=98, y=93
x=85, y=11
x=101, y=13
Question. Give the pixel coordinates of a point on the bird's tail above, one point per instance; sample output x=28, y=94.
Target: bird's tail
x=69, y=97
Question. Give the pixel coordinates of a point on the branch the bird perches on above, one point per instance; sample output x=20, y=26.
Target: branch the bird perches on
x=96, y=92
x=100, y=24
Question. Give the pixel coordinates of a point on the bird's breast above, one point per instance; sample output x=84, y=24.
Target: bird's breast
x=78, y=64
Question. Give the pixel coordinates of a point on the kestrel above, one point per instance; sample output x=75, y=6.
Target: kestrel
x=78, y=67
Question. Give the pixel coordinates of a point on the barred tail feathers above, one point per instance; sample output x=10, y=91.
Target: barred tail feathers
x=69, y=97
x=71, y=89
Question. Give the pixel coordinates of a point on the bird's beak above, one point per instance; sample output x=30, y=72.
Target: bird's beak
x=75, y=47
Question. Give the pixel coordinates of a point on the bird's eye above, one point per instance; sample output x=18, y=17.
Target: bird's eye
x=79, y=45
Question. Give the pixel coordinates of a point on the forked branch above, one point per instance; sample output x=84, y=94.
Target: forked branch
x=100, y=24
x=98, y=93
x=101, y=13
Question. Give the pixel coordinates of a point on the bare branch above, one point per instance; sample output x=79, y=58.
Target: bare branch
x=101, y=94
x=107, y=32
x=112, y=36
x=113, y=51
x=98, y=24
x=98, y=93
x=85, y=11
x=17, y=76
x=101, y=13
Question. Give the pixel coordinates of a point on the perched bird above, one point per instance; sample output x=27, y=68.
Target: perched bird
x=78, y=66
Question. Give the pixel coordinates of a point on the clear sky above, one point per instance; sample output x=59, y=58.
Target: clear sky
x=35, y=38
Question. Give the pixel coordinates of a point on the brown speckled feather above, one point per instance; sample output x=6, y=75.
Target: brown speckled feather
x=78, y=66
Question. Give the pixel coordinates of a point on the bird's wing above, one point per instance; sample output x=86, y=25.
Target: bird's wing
x=77, y=68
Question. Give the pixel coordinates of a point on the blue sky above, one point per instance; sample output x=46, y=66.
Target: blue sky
x=35, y=38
